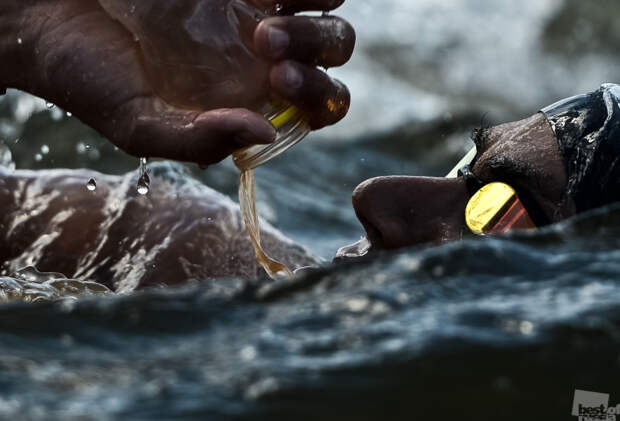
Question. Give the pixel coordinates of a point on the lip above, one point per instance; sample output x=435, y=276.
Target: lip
x=356, y=250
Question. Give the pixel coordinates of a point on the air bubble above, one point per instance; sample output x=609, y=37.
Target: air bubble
x=91, y=185
x=69, y=114
x=19, y=41
x=45, y=149
x=50, y=105
x=38, y=157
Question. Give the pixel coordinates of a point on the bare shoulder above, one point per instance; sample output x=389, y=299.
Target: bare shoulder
x=180, y=231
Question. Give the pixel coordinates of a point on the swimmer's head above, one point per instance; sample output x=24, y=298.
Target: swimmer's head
x=587, y=128
x=561, y=161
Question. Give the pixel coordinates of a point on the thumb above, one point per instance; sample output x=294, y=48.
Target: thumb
x=150, y=127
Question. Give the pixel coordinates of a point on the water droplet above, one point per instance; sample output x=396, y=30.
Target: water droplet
x=142, y=187
x=56, y=114
x=45, y=149
x=49, y=105
x=69, y=114
x=19, y=41
x=279, y=8
x=91, y=185
x=38, y=157
x=144, y=180
x=6, y=157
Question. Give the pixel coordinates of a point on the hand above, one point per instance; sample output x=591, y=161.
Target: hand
x=295, y=45
x=89, y=64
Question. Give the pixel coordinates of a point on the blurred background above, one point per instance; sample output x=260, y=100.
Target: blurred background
x=424, y=74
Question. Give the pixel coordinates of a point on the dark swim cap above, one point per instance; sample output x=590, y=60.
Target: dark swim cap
x=587, y=128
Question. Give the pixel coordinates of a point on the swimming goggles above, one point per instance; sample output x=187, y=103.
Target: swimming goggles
x=494, y=208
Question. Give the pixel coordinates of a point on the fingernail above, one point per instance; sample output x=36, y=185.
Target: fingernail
x=293, y=77
x=279, y=41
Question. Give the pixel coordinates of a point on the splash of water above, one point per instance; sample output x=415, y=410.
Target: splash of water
x=30, y=285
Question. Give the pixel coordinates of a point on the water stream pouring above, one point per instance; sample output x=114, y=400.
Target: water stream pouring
x=291, y=128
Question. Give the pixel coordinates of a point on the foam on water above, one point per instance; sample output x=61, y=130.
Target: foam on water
x=30, y=285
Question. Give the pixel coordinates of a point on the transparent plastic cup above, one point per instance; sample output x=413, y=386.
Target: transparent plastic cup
x=291, y=128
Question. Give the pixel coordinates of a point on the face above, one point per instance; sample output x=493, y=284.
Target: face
x=400, y=211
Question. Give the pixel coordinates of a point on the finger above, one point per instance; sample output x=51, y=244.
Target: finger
x=287, y=7
x=148, y=127
x=325, y=100
x=322, y=41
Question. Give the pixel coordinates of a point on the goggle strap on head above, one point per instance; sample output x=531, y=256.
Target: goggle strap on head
x=472, y=181
x=587, y=128
x=466, y=160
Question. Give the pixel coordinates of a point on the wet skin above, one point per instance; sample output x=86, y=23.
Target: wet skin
x=401, y=211
x=114, y=236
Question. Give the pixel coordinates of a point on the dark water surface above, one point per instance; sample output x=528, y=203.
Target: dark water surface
x=483, y=329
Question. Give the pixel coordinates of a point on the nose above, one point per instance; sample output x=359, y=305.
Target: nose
x=401, y=211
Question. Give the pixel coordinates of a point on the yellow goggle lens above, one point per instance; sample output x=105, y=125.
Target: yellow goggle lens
x=495, y=209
